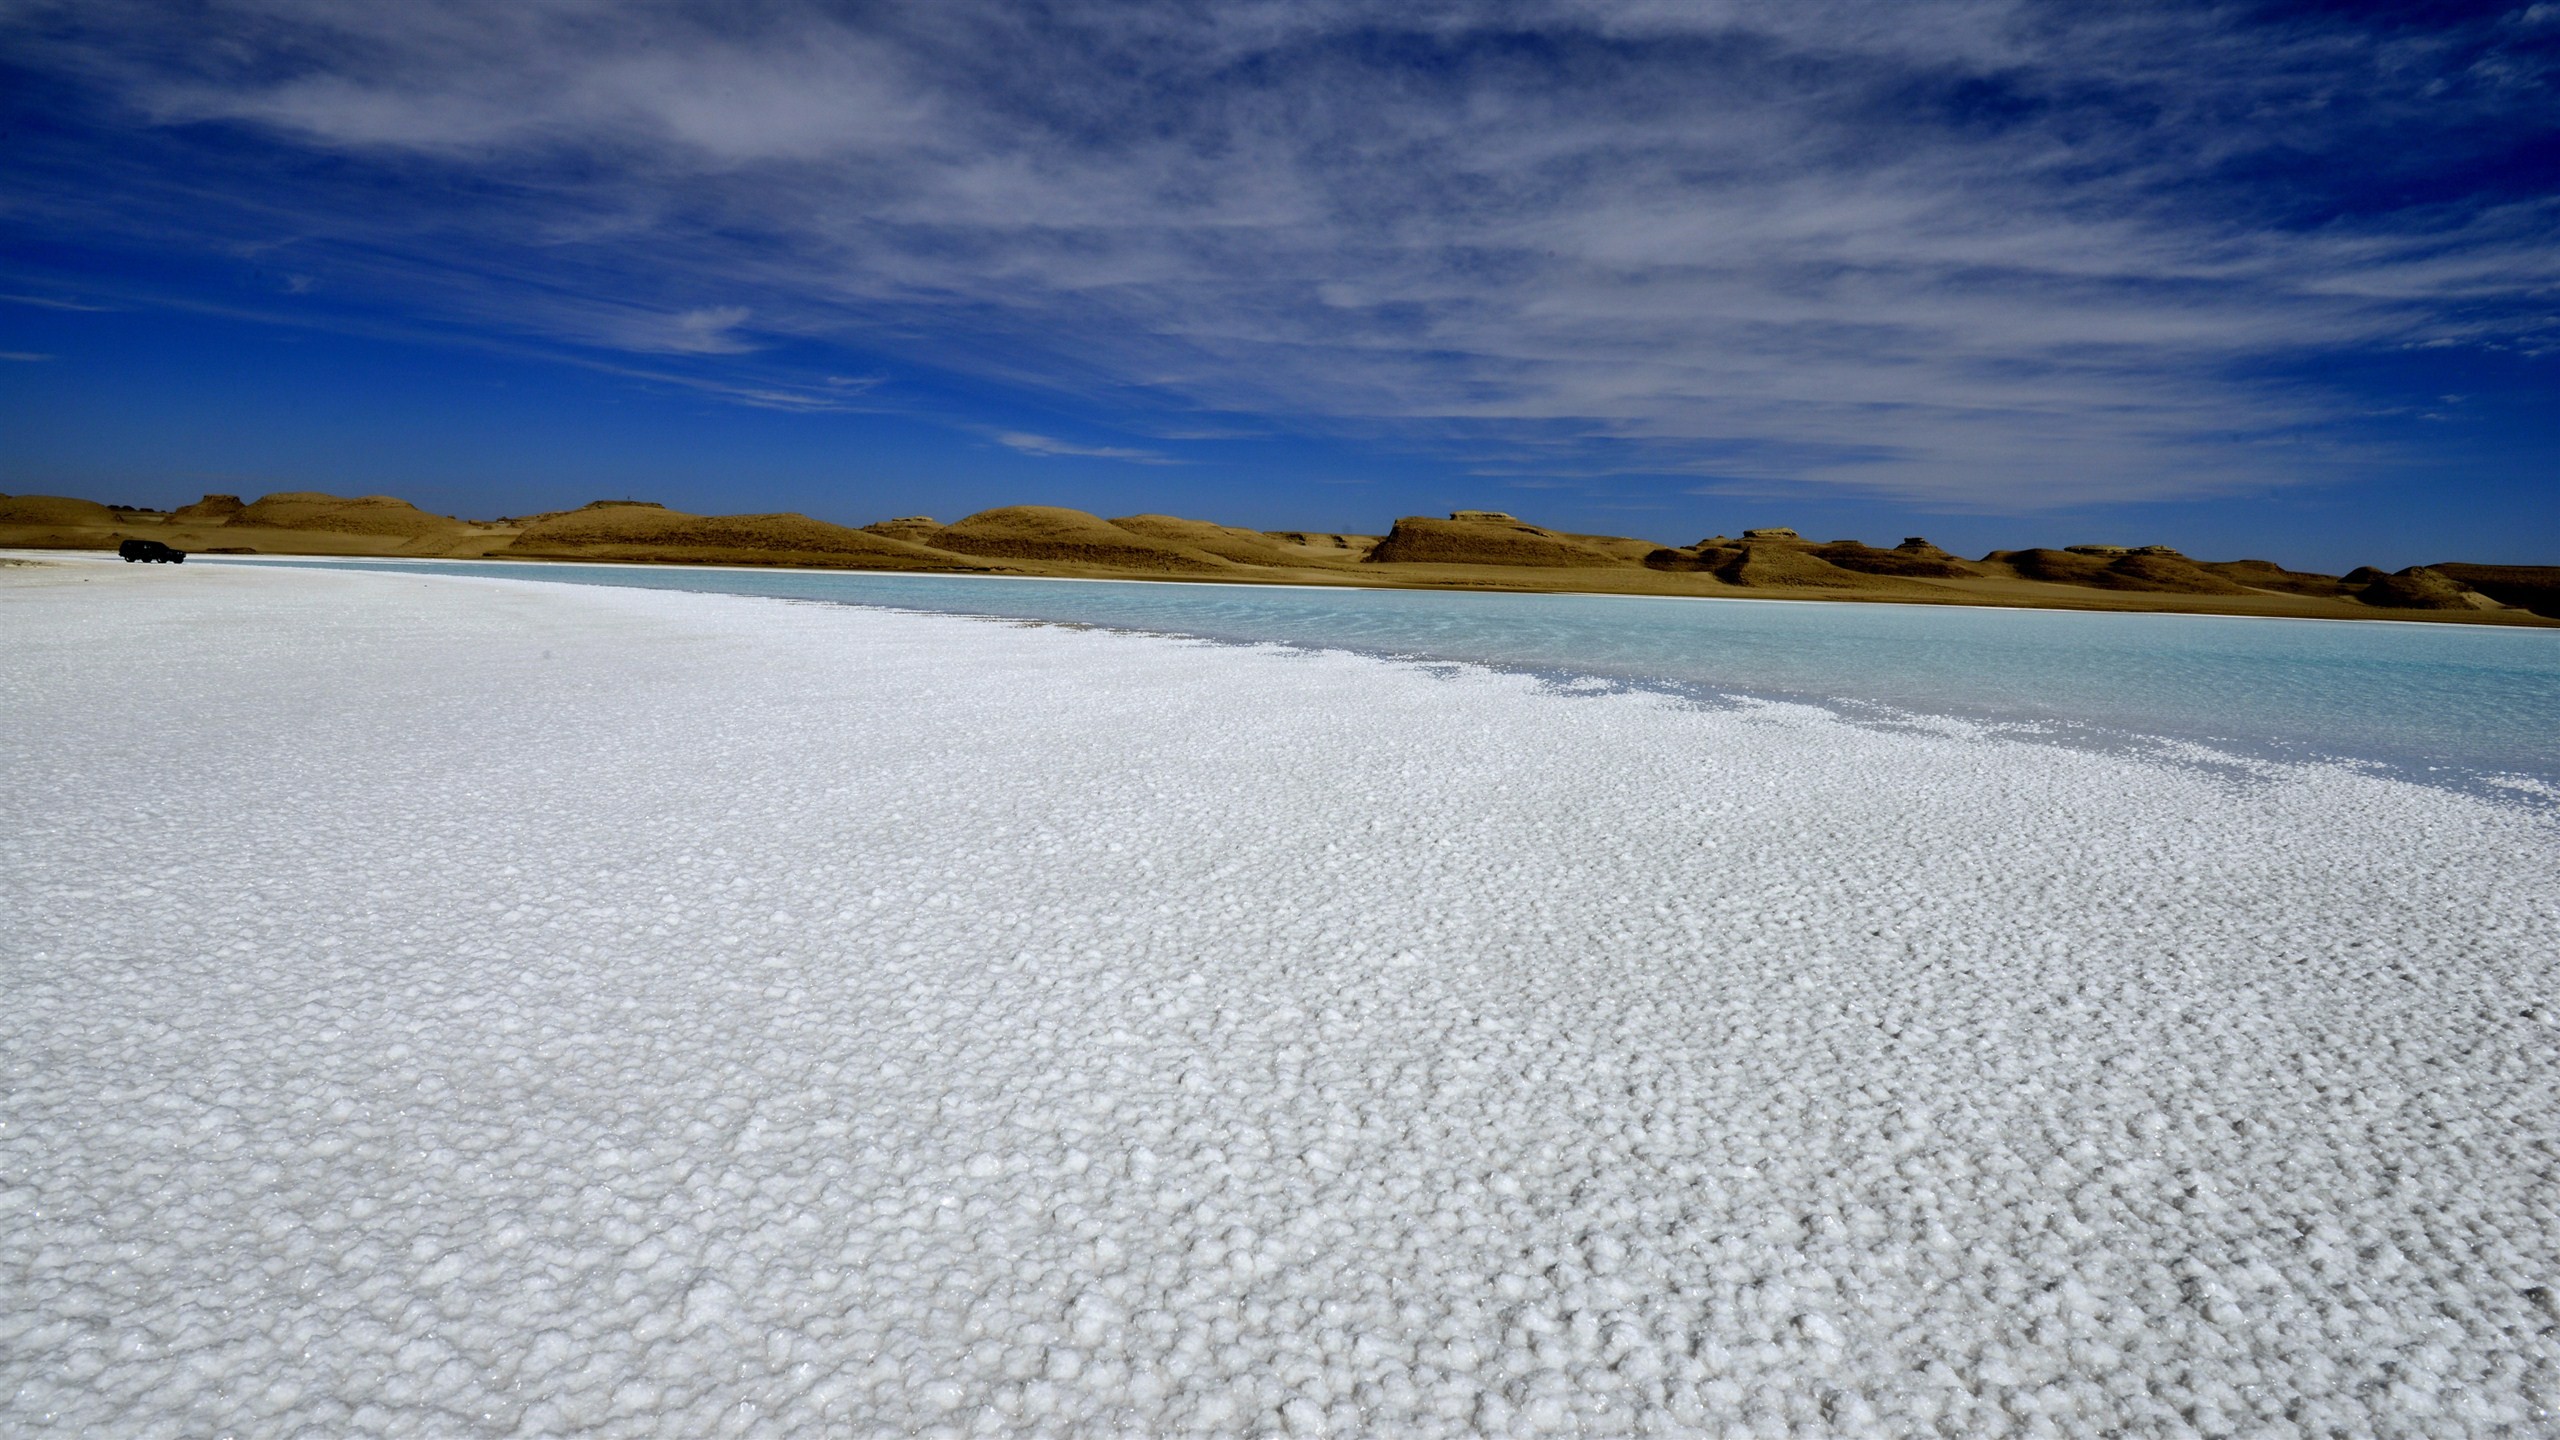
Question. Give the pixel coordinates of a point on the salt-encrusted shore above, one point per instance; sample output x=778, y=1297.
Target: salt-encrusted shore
x=443, y=1007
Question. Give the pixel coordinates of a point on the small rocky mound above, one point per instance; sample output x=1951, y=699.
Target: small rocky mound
x=1323, y=545
x=1421, y=540
x=1706, y=556
x=2056, y=567
x=2530, y=587
x=626, y=530
x=2167, y=573
x=2268, y=575
x=336, y=514
x=54, y=510
x=1227, y=542
x=914, y=529
x=1071, y=537
x=2422, y=588
x=1781, y=566
x=1912, y=564
x=211, y=510
x=1625, y=549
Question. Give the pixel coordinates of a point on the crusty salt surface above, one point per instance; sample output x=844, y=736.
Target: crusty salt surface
x=448, y=1007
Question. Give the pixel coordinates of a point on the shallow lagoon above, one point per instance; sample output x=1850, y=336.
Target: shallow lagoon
x=2454, y=702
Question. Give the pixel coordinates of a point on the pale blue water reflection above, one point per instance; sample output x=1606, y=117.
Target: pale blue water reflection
x=2474, y=699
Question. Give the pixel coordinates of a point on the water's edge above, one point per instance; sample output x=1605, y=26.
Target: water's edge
x=2470, y=708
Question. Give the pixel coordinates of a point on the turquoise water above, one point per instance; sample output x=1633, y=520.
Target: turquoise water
x=2452, y=700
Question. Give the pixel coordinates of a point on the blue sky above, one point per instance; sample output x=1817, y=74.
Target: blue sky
x=2261, y=279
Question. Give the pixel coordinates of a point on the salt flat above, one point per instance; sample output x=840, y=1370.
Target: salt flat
x=441, y=1006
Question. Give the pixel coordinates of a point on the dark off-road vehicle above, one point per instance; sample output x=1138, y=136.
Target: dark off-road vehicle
x=148, y=550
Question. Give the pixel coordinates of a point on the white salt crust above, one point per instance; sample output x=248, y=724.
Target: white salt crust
x=443, y=1007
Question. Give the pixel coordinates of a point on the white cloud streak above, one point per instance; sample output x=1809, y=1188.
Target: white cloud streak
x=1974, y=252
x=1030, y=444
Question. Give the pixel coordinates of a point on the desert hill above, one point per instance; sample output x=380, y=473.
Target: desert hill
x=211, y=510
x=1913, y=559
x=312, y=510
x=1487, y=537
x=1471, y=549
x=1762, y=564
x=286, y=523
x=1241, y=547
x=914, y=529
x=633, y=531
x=52, y=511
x=2422, y=588
x=1323, y=546
x=1071, y=537
x=2168, y=574
x=2268, y=575
x=2528, y=587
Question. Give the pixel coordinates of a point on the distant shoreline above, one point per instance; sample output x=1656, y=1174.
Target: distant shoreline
x=1386, y=583
x=1486, y=552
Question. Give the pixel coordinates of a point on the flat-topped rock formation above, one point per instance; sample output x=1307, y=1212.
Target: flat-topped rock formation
x=1470, y=549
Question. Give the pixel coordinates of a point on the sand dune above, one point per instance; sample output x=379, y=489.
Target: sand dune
x=1072, y=537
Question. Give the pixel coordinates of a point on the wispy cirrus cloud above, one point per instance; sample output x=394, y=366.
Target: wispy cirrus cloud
x=1973, y=252
x=44, y=302
x=1030, y=444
